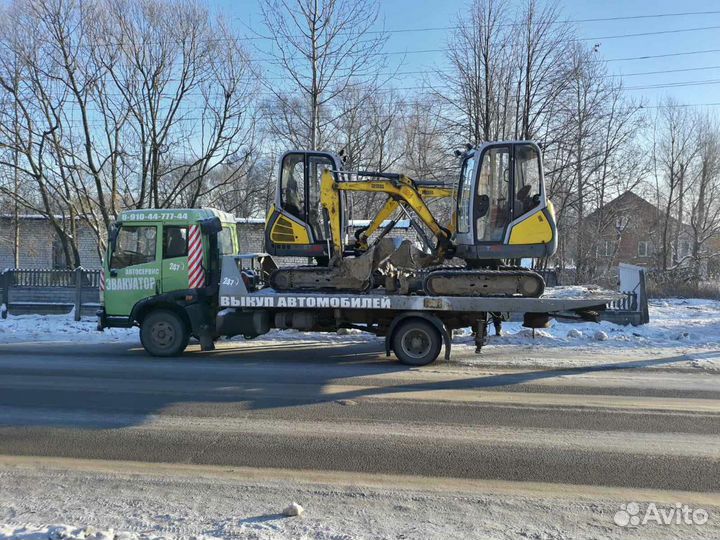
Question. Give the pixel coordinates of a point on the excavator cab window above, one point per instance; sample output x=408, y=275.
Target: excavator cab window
x=316, y=165
x=527, y=179
x=293, y=185
x=300, y=189
x=492, y=208
x=465, y=191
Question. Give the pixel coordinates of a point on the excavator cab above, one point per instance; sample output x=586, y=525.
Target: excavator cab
x=295, y=224
x=502, y=207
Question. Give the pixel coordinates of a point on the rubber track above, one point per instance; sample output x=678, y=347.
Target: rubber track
x=502, y=273
x=429, y=274
x=309, y=271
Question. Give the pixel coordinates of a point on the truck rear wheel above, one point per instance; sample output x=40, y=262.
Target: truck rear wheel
x=416, y=342
x=164, y=333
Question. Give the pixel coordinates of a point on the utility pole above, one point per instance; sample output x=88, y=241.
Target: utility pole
x=16, y=175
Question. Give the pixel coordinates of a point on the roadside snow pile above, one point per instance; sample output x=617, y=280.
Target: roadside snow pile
x=28, y=328
x=65, y=532
x=674, y=323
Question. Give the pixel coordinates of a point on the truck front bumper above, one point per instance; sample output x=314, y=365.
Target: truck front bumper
x=108, y=321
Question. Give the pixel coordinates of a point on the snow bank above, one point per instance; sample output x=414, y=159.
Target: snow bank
x=673, y=323
x=678, y=327
x=29, y=328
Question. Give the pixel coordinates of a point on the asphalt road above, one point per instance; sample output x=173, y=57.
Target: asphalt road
x=347, y=408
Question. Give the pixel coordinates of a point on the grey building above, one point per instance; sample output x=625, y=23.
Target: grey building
x=41, y=248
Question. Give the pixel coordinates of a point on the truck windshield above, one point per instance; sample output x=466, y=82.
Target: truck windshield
x=134, y=245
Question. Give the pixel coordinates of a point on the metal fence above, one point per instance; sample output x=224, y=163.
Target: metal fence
x=629, y=302
x=31, y=290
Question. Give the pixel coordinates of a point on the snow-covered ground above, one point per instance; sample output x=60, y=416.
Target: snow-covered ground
x=673, y=323
x=29, y=328
x=200, y=505
x=677, y=326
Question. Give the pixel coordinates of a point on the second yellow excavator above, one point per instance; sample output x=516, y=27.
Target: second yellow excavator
x=501, y=213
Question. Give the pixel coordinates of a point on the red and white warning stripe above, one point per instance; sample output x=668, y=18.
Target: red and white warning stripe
x=102, y=282
x=196, y=274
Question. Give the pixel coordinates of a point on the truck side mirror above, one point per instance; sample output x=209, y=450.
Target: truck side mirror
x=113, y=234
x=211, y=225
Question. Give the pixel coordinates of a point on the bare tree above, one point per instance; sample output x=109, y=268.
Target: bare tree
x=598, y=124
x=544, y=52
x=480, y=52
x=187, y=87
x=112, y=104
x=41, y=103
x=370, y=136
x=674, y=148
x=704, y=195
x=323, y=48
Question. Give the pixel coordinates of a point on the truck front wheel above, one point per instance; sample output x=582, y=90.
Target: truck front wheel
x=164, y=333
x=416, y=342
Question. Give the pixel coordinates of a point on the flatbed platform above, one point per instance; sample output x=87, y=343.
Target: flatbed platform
x=554, y=301
x=234, y=294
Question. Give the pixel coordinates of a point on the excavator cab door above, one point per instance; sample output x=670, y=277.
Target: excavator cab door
x=295, y=225
x=503, y=212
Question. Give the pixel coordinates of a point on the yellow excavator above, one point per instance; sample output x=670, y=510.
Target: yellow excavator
x=501, y=214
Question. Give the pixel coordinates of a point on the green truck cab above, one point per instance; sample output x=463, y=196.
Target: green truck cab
x=161, y=273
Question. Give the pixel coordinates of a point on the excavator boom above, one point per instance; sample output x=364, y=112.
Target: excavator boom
x=401, y=191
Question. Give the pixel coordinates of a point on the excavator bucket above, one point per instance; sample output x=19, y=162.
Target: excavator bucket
x=345, y=274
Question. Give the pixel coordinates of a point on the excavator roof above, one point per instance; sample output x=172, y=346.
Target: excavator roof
x=501, y=143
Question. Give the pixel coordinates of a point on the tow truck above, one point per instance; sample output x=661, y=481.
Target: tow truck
x=178, y=274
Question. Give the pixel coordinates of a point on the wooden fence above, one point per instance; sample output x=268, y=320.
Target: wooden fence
x=31, y=290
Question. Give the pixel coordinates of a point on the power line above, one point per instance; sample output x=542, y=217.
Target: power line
x=661, y=72
x=445, y=86
x=561, y=21
x=435, y=87
x=423, y=51
x=447, y=72
x=95, y=124
x=655, y=33
x=651, y=16
x=681, y=105
x=674, y=84
x=617, y=36
x=666, y=55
